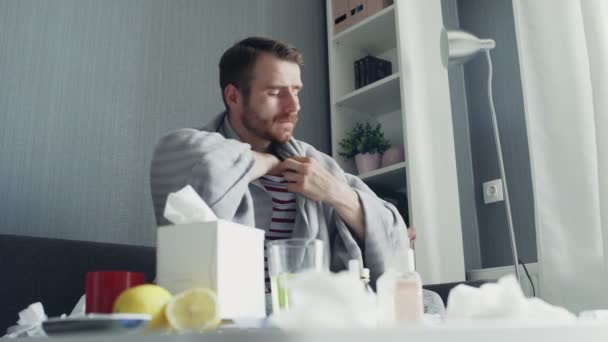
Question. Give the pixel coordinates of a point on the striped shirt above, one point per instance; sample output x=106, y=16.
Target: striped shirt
x=283, y=214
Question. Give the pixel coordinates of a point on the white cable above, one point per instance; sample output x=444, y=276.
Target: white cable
x=502, y=169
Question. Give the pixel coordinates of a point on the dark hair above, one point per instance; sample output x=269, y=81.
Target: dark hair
x=236, y=64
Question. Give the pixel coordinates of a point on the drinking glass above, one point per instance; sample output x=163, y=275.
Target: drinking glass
x=287, y=258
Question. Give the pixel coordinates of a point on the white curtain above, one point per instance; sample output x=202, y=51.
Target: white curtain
x=563, y=55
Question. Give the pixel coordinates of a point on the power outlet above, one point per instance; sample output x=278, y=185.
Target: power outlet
x=493, y=191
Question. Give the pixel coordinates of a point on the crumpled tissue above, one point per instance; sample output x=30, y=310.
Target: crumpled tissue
x=31, y=318
x=186, y=206
x=593, y=315
x=502, y=300
x=79, y=308
x=29, y=323
x=323, y=300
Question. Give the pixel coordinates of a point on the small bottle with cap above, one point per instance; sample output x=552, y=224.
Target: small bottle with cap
x=365, y=279
x=399, y=292
x=354, y=268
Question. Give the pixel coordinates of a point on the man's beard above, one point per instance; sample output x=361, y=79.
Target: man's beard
x=261, y=126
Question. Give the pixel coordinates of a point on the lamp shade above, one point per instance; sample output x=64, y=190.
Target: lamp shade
x=458, y=46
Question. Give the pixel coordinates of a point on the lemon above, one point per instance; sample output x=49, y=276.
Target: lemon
x=193, y=310
x=148, y=299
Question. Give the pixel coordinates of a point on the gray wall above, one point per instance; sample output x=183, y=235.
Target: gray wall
x=462, y=144
x=495, y=19
x=87, y=87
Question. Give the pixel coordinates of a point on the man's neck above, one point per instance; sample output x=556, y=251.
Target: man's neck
x=257, y=144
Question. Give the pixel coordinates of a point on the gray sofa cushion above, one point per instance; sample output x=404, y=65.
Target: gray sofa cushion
x=52, y=271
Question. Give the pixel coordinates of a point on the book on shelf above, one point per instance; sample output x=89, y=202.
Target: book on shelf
x=357, y=74
x=370, y=69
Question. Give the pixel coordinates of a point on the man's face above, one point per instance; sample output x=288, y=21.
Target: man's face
x=271, y=110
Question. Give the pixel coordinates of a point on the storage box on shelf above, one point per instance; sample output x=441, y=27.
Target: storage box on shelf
x=346, y=13
x=358, y=10
x=339, y=15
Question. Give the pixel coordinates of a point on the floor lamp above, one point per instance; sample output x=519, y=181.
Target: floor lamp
x=458, y=47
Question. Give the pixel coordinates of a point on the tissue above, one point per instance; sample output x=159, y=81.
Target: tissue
x=321, y=300
x=593, y=315
x=186, y=206
x=29, y=323
x=79, y=308
x=502, y=300
x=31, y=318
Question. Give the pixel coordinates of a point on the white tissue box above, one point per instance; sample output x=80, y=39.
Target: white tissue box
x=221, y=255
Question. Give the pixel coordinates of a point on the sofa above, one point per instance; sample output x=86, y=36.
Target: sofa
x=52, y=271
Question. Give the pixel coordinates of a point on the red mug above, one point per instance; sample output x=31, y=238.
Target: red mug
x=103, y=287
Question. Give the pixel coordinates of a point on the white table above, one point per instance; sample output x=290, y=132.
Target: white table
x=462, y=332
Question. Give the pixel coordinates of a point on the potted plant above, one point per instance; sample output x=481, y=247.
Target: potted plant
x=366, y=144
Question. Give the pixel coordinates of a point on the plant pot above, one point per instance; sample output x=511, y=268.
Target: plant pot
x=367, y=162
x=393, y=155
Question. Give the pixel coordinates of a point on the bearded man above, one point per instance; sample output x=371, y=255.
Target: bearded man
x=247, y=166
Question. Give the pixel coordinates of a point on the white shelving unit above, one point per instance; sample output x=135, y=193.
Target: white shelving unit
x=413, y=106
x=378, y=102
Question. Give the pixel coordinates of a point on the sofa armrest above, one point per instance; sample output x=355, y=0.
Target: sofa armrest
x=52, y=271
x=443, y=290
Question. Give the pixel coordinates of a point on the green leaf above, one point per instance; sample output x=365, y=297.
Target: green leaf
x=363, y=138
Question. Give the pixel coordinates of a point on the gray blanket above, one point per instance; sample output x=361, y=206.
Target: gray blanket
x=218, y=169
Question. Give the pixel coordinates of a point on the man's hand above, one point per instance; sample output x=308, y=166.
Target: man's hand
x=264, y=163
x=307, y=177
x=411, y=234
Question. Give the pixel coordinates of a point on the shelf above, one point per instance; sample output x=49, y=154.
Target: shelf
x=374, y=35
x=380, y=97
x=390, y=177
